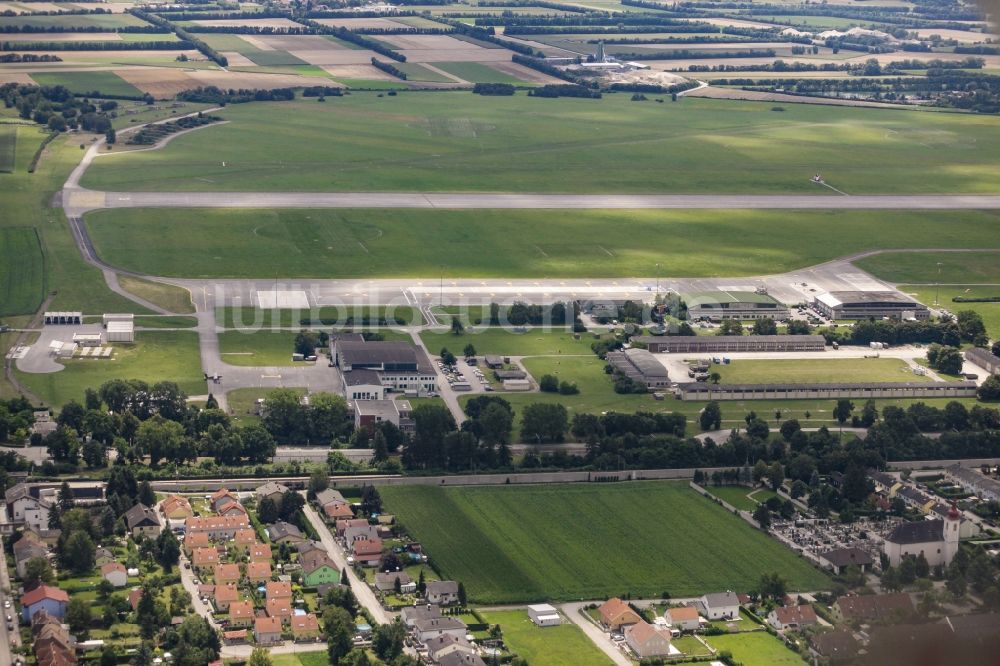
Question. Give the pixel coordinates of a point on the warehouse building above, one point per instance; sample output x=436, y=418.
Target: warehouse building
x=984, y=359
x=860, y=391
x=708, y=344
x=368, y=370
x=640, y=366
x=121, y=331
x=869, y=304
x=718, y=305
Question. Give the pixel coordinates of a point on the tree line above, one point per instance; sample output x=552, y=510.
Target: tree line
x=179, y=45
x=389, y=68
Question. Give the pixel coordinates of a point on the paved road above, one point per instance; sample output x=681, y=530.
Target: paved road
x=80, y=200
x=594, y=633
x=7, y=639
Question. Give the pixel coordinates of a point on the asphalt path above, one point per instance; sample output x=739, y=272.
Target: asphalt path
x=79, y=200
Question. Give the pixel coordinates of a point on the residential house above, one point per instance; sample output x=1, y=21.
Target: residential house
x=102, y=556
x=175, y=507
x=720, y=605
x=342, y=525
x=217, y=527
x=260, y=552
x=25, y=508
x=305, y=627
x=544, y=615
x=368, y=552
x=115, y=573
x=195, y=540
x=410, y=614
x=317, y=568
x=220, y=498
x=446, y=644
x=133, y=597
x=142, y=520
x=684, y=618
x=26, y=548
x=259, y=572
x=46, y=598
x=267, y=630
x=309, y=546
x=839, y=559
x=278, y=590
x=873, y=607
x=225, y=595
x=233, y=509
x=270, y=490
x=282, y=532
x=338, y=511
x=615, y=614
x=227, y=573
x=425, y=630
x=280, y=608
x=441, y=592
x=205, y=559
x=647, y=641
x=835, y=646
x=461, y=659
x=792, y=617
x=51, y=642
x=355, y=532
x=329, y=496
x=386, y=582
x=234, y=637
x=243, y=539
x=241, y=613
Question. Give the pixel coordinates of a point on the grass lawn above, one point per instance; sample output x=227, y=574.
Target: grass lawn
x=107, y=83
x=22, y=271
x=990, y=312
x=317, y=658
x=156, y=356
x=419, y=243
x=556, y=542
x=757, y=648
x=345, y=316
x=825, y=371
x=507, y=343
x=565, y=645
x=922, y=267
x=690, y=646
x=167, y=296
x=253, y=348
x=458, y=141
x=738, y=496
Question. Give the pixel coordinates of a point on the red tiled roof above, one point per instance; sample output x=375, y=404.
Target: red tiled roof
x=278, y=590
x=267, y=625
x=44, y=592
x=683, y=613
x=304, y=623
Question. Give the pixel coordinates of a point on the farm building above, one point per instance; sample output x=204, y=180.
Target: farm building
x=717, y=305
x=984, y=359
x=121, y=331
x=640, y=366
x=870, y=607
x=369, y=369
x=544, y=615
x=861, y=391
x=55, y=318
x=707, y=344
x=866, y=304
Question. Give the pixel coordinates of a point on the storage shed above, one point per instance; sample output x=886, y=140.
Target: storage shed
x=121, y=331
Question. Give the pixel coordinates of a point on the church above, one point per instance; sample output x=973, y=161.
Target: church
x=937, y=540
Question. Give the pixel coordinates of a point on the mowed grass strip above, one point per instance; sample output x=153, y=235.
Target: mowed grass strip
x=8, y=148
x=458, y=141
x=167, y=296
x=559, y=542
x=22, y=268
x=347, y=315
x=107, y=83
x=418, y=243
x=964, y=268
x=990, y=312
x=565, y=645
x=818, y=371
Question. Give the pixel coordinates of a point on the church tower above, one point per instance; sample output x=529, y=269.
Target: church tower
x=952, y=522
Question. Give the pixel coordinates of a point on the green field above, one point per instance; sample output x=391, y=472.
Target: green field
x=740, y=496
x=508, y=343
x=263, y=348
x=108, y=83
x=476, y=72
x=109, y=21
x=156, y=356
x=522, y=243
x=8, y=148
x=558, y=542
x=22, y=271
x=822, y=371
x=238, y=317
x=275, y=58
x=167, y=296
x=415, y=72
x=963, y=268
x=757, y=648
x=990, y=312
x=565, y=645
x=457, y=141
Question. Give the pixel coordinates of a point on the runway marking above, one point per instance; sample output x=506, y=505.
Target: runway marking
x=363, y=247
x=607, y=251
x=541, y=251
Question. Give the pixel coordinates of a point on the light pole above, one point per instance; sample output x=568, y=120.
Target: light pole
x=657, y=281
x=937, y=289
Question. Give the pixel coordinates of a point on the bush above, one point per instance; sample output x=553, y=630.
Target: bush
x=566, y=388
x=548, y=384
x=498, y=89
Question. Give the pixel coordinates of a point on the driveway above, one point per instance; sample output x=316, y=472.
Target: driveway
x=597, y=635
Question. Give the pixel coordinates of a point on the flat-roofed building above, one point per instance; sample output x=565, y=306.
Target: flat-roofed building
x=709, y=344
x=860, y=391
x=369, y=369
x=984, y=359
x=867, y=304
x=369, y=413
x=640, y=366
x=717, y=305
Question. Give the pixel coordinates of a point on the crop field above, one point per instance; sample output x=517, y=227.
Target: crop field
x=931, y=268
x=523, y=243
x=8, y=148
x=108, y=83
x=555, y=542
x=22, y=278
x=110, y=21
x=475, y=72
x=565, y=645
x=457, y=141
x=156, y=356
x=757, y=648
x=823, y=371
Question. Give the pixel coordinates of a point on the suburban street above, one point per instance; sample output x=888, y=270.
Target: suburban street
x=6, y=656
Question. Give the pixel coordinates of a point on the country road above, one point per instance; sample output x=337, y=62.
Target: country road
x=78, y=201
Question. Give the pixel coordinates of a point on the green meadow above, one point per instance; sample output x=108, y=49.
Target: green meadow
x=107, y=83
x=930, y=268
x=457, y=141
x=22, y=271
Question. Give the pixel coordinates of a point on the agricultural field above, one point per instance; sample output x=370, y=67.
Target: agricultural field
x=8, y=147
x=757, y=648
x=156, y=356
x=22, y=271
x=526, y=543
x=823, y=371
x=108, y=21
x=475, y=72
x=457, y=141
x=107, y=83
x=522, y=243
x=565, y=645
